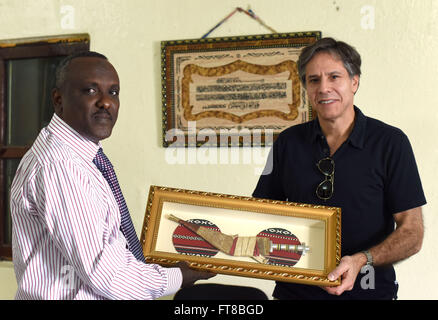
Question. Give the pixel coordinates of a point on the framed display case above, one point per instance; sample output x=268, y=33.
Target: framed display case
x=242, y=236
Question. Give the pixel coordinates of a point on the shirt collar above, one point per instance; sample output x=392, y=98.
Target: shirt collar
x=84, y=147
x=357, y=136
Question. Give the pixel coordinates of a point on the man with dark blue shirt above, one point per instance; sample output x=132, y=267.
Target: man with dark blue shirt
x=345, y=159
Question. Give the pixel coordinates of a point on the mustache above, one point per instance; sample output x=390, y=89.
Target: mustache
x=103, y=112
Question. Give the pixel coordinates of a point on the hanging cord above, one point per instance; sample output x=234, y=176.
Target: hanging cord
x=249, y=12
x=253, y=15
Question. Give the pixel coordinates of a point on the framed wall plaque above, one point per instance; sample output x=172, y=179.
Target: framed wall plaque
x=233, y=90
x=242, y=236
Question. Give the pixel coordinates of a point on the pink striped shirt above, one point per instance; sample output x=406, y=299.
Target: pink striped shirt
x=66, y=240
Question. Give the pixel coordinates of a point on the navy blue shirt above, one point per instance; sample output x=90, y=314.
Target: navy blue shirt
x=375, y=177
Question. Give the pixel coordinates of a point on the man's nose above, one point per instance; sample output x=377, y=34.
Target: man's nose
x=104, y=101
x=324, y=86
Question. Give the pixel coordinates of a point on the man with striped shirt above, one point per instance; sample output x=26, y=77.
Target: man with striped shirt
x=67, y=236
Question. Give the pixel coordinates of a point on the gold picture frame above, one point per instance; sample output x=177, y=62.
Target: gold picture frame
x=167, y=242
x=233, y=91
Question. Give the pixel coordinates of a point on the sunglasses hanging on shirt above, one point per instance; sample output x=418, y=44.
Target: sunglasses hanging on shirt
x=325, y=189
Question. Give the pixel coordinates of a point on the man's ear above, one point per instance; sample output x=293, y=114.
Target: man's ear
x=356, y=82
x=57, y=101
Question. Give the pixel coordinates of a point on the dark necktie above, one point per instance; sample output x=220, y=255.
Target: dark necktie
x=126, y=225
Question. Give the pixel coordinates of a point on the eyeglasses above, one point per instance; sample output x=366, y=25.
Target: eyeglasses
x=325, y=189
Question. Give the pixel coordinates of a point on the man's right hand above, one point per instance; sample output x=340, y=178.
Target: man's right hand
x=191, y=275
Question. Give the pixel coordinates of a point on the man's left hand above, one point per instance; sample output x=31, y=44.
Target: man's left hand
x=348, y=269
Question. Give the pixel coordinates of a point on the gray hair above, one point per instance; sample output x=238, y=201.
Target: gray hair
x=60, y=74
x=346, y=53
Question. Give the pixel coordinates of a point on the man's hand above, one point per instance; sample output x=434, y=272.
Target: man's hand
x=403, y=242
x=190, y=275
x=348, y=269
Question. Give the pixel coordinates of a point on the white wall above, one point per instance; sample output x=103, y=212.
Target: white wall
x=397, y=86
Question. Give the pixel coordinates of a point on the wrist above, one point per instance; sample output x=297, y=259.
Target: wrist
x=368, y=257
x=361, y=259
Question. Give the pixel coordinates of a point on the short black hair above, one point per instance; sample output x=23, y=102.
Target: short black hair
x=62, y=66
x=346, y=53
